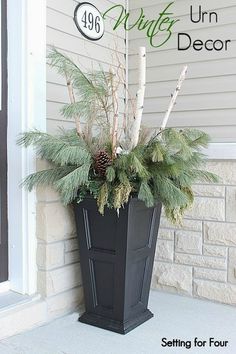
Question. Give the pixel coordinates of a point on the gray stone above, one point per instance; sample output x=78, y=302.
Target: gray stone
x=224, y=293
x=191, y=225
x=232, y=266
x=165, y=250
x=71, y=245
x=189, y=242
x=210, y=274
x=207, y=209
x=216, y=251
x=166, y=234
x=231, y=204
x=208, y=190
x=220, y=233
x=72, y=257
x=173, y=278
x=203, y=261
x=226, y=170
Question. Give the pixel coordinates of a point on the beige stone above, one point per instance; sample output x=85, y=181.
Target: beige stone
x=71, y=245
x=72, y=257
x=231, y=204
x=191, y=225
x=204, y=261
x=215, y=251
x=226, y=170
x=232, y=266
x=207, y=209
x=68, y=301
x=56, y=281
x=173, y=278
x=224, y=293
x=188, y=242
x=165, y=250
x=55, y=222
x=209, y=190
x=220, y=233
x=50, y=255
x=166, y=234
x=47, y=194
x=210, y=274
x=42, y=164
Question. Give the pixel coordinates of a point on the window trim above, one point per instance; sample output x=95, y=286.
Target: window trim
x=26, y=110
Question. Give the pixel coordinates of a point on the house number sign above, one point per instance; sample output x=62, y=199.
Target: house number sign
x=89, y=21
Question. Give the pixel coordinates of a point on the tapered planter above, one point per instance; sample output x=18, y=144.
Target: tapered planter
x=117, y=254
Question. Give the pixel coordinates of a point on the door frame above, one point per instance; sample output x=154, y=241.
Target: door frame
x=26, y=110
x=3, y=152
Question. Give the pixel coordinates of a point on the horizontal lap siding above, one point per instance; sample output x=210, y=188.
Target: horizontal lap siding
x=208, y=97
x=63, y=34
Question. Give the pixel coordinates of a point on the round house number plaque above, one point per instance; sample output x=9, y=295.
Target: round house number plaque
x=89, y=21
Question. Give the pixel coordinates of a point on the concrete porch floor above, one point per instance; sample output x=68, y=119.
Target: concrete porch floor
x=176, y=317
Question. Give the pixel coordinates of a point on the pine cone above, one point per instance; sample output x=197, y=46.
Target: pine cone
x=102, y=161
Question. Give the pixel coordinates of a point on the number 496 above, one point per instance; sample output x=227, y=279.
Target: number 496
x=90, y=22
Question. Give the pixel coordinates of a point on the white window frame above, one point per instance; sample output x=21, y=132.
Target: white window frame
x=26, y=110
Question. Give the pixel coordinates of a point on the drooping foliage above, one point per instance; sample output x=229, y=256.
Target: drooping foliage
x=88, y=160
x=162, y=170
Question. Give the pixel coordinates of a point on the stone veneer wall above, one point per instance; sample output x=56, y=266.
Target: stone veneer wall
x=199, y=258
x=59, y=276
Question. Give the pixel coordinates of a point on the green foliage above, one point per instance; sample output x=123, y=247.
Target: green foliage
x=92, y=91
x=145, y=194
x=110, y=174
x=102, y=198
x=162, y=168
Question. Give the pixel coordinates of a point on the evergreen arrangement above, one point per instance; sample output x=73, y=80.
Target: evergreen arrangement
x=98, y=157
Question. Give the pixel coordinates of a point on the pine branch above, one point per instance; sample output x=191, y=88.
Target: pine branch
x=145, y=194
x=57, y=149
x=68, y=186
x=83, y=83
x=46, y=177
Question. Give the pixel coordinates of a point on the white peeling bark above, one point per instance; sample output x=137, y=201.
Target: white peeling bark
x=135, y=129
x=174, y=97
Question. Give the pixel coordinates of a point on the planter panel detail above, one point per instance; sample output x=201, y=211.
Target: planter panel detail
x=117, y=254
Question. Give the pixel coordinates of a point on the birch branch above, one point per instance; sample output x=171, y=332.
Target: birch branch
x=116, y=115
x=135, y=130
x=174, y=97
x=72, y=100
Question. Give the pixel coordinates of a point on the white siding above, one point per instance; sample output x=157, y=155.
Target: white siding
x=63, y=34
x=208, y=98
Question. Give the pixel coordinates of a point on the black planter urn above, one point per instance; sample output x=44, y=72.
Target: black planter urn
x=117, y=255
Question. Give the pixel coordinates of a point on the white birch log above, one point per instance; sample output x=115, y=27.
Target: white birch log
x=174, y=97
x=135, y=130
x=115, y=122
x=72, y=100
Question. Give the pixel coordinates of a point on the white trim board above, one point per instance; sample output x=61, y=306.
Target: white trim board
x=26, y=110
x=4, y=287
x=221, y=151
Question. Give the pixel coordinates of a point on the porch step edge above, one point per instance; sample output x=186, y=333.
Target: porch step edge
x=23, y=316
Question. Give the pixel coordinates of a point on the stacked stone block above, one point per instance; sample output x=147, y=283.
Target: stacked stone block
x=199, y=258
x=59, y=275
